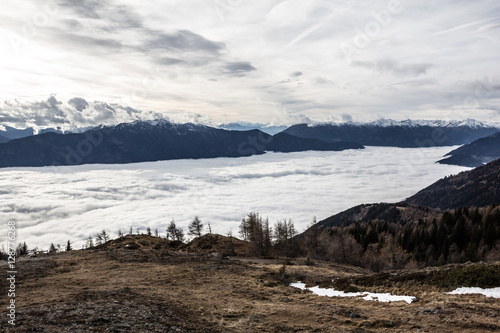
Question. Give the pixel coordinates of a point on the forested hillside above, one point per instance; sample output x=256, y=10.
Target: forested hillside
x=460, y=235
x=478, y=187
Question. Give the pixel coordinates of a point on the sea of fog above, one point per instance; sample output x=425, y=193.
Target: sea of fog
x=54, y=204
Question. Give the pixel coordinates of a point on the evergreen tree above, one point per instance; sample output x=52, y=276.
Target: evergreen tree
x=179, y=235
x=98, y=239
x=52, y=248
x=104, y=236
x=68, y=246
x=22, y=249
x=195, y=227
x=171, y=230
x=89, y=243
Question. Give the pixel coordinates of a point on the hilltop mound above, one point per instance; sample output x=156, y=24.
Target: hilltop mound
x=221, y=245
x=135, y=242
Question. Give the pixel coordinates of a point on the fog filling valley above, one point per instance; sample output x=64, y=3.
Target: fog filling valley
x=54, y=204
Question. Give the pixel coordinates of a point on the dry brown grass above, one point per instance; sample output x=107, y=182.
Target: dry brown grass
x=146, y=290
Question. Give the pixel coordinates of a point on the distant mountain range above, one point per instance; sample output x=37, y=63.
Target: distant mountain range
x=406, y=134
x=169, y=140
x=8, y=133
x=476, y=153
x=151, y=141
x=244, y=126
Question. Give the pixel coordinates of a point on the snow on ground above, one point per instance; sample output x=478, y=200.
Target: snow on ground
x=489, y=292
x=330, y=292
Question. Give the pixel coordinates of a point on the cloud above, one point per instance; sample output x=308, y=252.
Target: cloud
x=77, y=113
x=78, y=103
x=238, y=68
x=346, y=117
x=222, y=60
x=54, y=204
x=88, y=9
x=169, y=61
x=115, y=15
x=394, y=67
x=183, y=41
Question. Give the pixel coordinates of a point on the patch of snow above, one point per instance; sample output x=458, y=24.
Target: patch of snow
x=331, y=292
x=490, y=292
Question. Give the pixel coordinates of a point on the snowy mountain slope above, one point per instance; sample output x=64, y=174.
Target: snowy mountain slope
x=404, y=134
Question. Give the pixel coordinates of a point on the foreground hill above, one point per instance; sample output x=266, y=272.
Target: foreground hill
x=156, y=289
x=476, y=153
x=396, y=134
x=478, y=187
x=150, y=141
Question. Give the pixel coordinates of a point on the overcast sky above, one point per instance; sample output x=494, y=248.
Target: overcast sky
x=239, y=60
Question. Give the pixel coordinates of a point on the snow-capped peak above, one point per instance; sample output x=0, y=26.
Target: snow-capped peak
x=471, y=123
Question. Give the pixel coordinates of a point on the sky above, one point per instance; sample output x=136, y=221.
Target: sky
x=273, y=61
x=54, y=204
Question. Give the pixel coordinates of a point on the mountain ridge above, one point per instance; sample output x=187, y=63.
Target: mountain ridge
x=150, y=141
x=407, y=134
x=476, y=153
x=477, y=187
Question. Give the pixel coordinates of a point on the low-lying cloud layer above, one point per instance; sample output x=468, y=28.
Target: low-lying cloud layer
x=54, y=204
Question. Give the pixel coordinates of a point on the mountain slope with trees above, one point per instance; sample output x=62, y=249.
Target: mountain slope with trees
x=476, y=153
x=456, y=219
x=478, y=187
x=394, y=213
x=454, y=236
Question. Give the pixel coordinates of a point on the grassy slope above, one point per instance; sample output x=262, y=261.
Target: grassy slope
x=151, y=290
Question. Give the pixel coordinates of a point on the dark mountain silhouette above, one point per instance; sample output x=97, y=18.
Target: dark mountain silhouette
x=150, y=141
x=405, y=134
x=283, y=142
x=478, y=187
x=476, y=153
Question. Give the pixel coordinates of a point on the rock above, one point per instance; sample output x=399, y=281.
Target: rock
x=355, y=315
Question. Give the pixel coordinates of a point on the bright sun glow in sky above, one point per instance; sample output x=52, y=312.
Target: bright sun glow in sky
x=262, y=61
